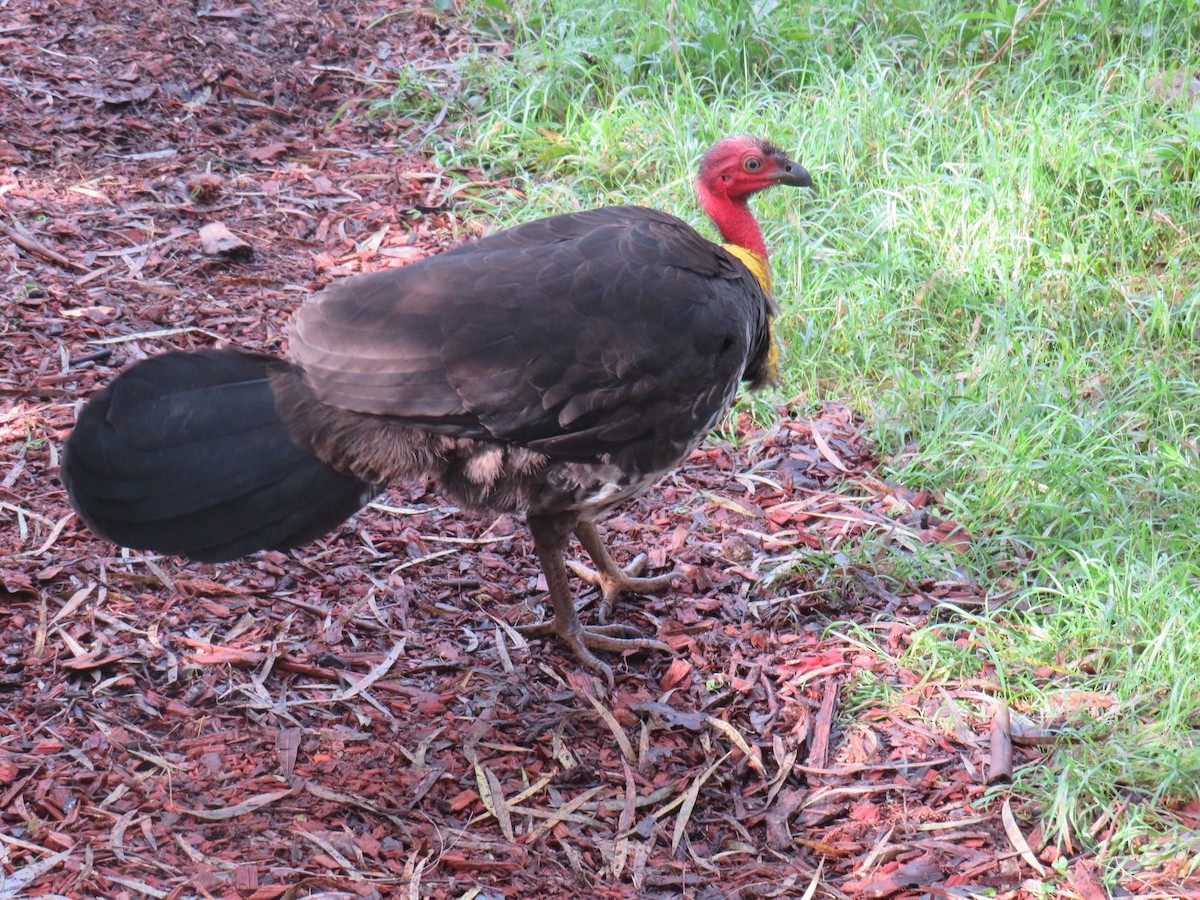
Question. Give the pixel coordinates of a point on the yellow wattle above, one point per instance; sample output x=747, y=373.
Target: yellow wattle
x=760, y=268
x=758, y=265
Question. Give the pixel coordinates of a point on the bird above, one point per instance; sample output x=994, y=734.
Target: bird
x=554, y=369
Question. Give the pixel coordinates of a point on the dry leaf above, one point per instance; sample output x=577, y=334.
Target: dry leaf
x=238, y=809
x=1018, y=840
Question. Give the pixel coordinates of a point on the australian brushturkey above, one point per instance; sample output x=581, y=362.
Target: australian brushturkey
x=554, y=369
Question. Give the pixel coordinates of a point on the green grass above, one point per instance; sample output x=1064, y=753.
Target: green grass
x=1006, y=282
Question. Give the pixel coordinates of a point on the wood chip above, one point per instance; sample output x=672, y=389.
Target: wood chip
x=217, y=240
x=818, y=752
x=1084, y=877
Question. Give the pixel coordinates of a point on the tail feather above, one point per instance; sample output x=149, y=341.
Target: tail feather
x=186, y=454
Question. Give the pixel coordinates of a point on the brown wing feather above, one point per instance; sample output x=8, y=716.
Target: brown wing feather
x=617, y=333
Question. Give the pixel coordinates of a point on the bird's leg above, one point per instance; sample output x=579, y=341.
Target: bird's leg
x=550, y=535
x=611, y=578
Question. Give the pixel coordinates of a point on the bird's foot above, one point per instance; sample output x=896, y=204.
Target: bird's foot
x=614, y=638
x=616, y=580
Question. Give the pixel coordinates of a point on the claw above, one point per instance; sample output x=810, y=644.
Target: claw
x=550, y=627
x=550, y=539
x=583, y=640
x=620, y=580
x=613, y=580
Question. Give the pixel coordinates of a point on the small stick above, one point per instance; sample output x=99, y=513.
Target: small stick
x=94, y=356
x=27, y=241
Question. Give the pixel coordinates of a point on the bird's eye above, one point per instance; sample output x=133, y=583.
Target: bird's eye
x=752, y=164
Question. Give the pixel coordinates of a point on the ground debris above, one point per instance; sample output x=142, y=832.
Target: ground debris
x=359, y=717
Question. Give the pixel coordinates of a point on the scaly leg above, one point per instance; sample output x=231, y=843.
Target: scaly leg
x=611, y=578
x=550, y=534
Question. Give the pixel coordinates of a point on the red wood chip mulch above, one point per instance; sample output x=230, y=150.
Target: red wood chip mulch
x=358, y=718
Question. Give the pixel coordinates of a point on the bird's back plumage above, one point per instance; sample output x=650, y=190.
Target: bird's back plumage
x=617, y=333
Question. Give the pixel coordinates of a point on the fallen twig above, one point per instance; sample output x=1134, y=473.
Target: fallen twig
x=28, y=242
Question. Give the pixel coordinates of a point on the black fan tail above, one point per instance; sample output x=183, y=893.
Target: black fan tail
x=186, y=454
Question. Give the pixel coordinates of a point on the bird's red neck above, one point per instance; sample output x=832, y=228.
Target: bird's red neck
x=733, y=219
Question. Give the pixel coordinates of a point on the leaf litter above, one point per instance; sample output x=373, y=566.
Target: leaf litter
x=358, y=718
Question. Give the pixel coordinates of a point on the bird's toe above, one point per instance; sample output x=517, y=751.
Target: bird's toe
x=610, y=638
x=618, y=581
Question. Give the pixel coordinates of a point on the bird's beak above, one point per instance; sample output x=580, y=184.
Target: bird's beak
x=790, y=174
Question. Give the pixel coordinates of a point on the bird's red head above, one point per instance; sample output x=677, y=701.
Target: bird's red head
x=739, y=166
x=732, y=170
